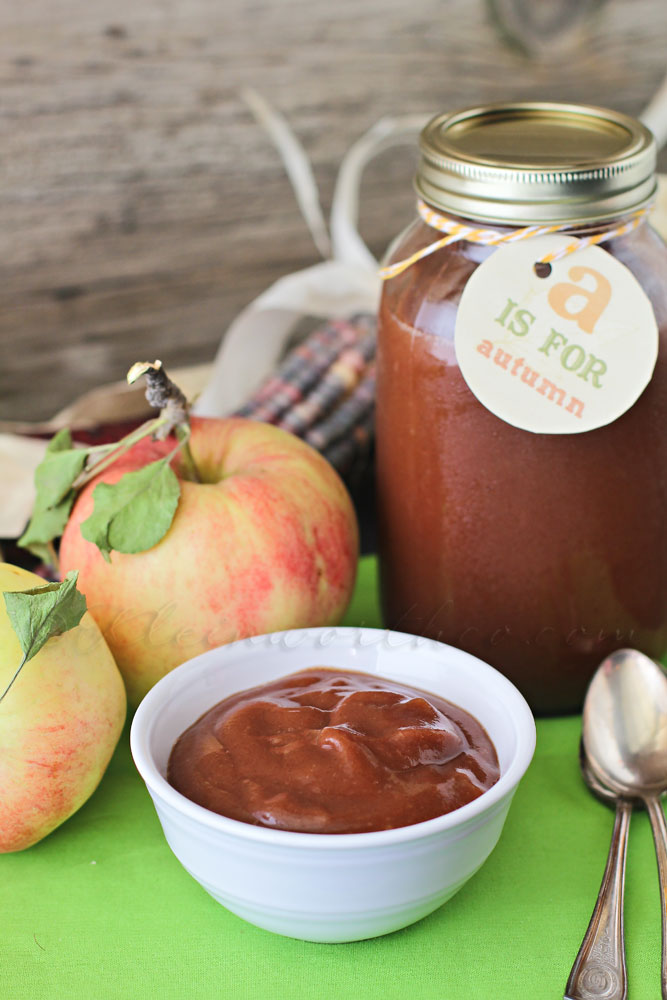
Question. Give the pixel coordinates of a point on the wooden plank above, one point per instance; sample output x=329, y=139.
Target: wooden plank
x=142, y=207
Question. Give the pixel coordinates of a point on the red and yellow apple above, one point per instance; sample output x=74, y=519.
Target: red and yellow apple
x=59, y=723
x=266, y=541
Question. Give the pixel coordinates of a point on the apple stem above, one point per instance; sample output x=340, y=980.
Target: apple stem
x=18, y=671
x=183, y=434
x=119, y=448
x=162, y=393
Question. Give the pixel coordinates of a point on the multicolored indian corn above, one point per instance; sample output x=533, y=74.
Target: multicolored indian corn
x=324, y=391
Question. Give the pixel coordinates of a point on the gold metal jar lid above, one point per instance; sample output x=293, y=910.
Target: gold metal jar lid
x=536, y=162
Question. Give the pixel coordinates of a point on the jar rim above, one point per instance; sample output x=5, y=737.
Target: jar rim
x=525, y=162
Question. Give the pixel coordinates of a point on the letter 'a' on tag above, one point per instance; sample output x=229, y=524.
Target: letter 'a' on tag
x=559, y=354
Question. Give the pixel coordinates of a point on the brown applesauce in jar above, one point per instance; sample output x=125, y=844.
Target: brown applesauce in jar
x=539, y=553
x=332, y=751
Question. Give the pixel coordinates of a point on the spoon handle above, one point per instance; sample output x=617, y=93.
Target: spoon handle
x=657, y=817
x=599, y=968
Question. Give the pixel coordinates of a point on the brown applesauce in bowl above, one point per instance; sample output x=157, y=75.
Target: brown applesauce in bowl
x=333, y=751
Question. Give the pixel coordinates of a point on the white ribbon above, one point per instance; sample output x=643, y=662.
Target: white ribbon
x=337, y=288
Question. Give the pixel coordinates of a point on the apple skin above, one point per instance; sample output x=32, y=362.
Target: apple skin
x=59, y=723
x=267, y=541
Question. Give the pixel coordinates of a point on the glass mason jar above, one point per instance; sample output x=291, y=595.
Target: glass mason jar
x=539, y=553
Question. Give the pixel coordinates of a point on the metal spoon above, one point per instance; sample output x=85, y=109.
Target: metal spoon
x=625, y=737
x=599, y=968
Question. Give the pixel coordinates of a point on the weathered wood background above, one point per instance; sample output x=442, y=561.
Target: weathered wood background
x=140, y=205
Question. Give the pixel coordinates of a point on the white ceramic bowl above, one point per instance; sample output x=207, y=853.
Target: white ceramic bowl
x=332, y=887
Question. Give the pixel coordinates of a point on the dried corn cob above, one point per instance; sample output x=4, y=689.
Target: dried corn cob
x=324, y=392
x=302, y=368
x=344, y=418
x=336, y=383
x=348, y=452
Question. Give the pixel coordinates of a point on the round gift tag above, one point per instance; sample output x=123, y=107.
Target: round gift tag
x=560, y=353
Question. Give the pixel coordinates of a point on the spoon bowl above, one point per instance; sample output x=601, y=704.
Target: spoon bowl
x=625, y=724
x=624, y=738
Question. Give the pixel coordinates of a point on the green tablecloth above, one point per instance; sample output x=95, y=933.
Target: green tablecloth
x=101, y=909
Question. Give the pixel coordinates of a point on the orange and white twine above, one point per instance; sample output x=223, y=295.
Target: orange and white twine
x=492, y=237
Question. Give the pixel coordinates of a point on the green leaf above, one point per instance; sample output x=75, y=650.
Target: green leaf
x=133, y=514
x=54, y=478
x=44, y=526
x=42, y=612
x=61, y=441
x=55, y=475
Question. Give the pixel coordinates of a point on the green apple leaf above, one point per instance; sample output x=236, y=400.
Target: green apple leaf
x=44, y=526
x=42, y=612
x=55, y=475
x=54, y=480
x=133, y=514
